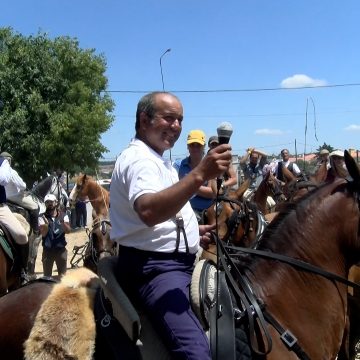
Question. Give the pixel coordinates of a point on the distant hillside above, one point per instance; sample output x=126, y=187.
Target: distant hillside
x=106, y=168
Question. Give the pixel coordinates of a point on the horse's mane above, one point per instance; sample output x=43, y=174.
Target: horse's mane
x=279, y=225
x=43, y=187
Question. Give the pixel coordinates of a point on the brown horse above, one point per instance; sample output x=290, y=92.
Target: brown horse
x=86, y=187
x=322, y=230
x=100, y=244
x=9, y=266
x=238, y=222
x=269, y=187
x=306, y=298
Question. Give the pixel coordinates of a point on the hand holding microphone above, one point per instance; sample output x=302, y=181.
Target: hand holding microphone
x=224, y=132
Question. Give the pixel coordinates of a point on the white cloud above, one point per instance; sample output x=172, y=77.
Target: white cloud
x=270, y=132
x=301, y=80
x=352, y=128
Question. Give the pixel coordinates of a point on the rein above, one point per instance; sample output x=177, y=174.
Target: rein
x=294, y=262
x=238, y=216
x=102, y=224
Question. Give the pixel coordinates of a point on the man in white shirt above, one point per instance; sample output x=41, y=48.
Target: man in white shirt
x=15, y=193
x=155, y=226
x=286, y=163
x=9, y=220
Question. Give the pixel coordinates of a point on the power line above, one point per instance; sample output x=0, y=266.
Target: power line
x=237, y=90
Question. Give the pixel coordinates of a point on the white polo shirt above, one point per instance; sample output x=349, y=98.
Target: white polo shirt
x=140, y=170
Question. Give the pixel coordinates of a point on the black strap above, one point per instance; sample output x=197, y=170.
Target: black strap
x=294, y=262
x=222, y=324
x=287, y=337
x=247, y=299
x=180, y=229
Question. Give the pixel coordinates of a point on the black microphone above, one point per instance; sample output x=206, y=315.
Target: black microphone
x=224, y=132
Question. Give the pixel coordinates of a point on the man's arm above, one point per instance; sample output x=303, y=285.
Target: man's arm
x=154, y=208
x=232, y=180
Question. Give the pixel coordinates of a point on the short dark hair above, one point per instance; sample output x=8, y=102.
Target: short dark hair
x=147, y=105
x=283, y=150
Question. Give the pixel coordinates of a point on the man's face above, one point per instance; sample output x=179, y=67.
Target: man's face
x=324, y=157
x=162, y=131
x=50, y=205
x=196, y=150
x=285, y=155
x=254, y=158
x=213, y=145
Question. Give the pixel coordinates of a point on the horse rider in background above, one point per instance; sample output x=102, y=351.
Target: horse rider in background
x=252, y=164
x=324, y=158
x=337, y=165
x=285, y=162
x=8, y=218
x=15, y=193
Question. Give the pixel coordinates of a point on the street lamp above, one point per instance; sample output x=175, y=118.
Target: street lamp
x=162, y=77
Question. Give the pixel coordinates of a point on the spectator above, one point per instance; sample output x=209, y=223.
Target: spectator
x=81, y=213
x=203, y=198
x=54, y=224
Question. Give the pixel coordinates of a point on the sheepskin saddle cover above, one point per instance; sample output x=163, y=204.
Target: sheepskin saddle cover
x=64, y=327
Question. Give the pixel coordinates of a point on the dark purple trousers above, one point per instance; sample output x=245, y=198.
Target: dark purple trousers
x=161, y=284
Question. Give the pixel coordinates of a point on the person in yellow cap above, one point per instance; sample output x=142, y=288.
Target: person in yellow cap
x=203, y=198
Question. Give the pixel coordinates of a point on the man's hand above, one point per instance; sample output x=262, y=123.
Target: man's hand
x=205, y=235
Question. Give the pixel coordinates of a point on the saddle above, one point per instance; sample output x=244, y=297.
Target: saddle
x=117, y=318
x=6, y=244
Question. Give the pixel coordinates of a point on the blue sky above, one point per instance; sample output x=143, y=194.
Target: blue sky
x=228, y=45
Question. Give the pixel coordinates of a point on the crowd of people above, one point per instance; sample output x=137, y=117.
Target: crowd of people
x=155, y=213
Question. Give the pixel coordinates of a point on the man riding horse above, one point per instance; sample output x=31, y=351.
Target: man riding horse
x=7, y=219
x=15, y=193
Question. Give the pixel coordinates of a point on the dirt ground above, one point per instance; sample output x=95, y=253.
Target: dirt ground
x=75, y=238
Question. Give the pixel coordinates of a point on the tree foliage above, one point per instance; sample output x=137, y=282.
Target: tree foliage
x=325, y=146
x=53, y=104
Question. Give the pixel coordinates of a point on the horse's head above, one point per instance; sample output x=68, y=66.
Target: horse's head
x=273, y=187
x=100, y=244
x=236, y=219
x=44, y=186
x=79, y=191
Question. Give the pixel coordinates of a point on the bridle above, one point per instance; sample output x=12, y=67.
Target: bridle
x=253, y=308
x=103, y=224
x=245, y=213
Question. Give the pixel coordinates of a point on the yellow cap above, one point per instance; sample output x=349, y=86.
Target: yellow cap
x=196, y=136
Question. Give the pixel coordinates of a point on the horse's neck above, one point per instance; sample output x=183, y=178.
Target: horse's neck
x=260, y=197
x=99, y=199
x=307, y=232
x=43, y=187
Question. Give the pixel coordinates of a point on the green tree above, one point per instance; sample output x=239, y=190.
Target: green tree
x=53, y=103
x=325, y=146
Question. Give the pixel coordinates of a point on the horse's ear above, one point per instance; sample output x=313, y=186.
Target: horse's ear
x=243, y=187
x=352, y=166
